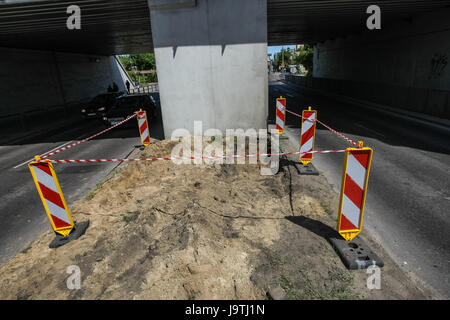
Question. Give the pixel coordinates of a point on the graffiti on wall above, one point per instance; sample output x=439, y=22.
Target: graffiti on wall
x=438, y=64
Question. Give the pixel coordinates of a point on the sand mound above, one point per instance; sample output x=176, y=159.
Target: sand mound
x=165, y=231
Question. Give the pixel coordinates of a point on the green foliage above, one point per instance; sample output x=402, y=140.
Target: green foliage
x=90, y=196
x=305, y=57
x=142, y=61
x=286, y=55
x=143, y=78
x=134, y=63
x=302, y=286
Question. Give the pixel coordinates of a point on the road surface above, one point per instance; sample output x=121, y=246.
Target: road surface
x=22, y=215
x=408, y=200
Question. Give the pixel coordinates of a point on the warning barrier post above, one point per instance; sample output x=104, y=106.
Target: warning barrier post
x=55, y=205
x=355, y=177
x=143, y=127
x=280, y=114
x=308, y=135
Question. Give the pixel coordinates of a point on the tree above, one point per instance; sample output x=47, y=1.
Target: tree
x=305, y=57
x=142, y=61
x=126, y=61
x=134, y=63
x=286, y=55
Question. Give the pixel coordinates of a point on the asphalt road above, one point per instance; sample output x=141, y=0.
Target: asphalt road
x=408, y=200
x=22, y=215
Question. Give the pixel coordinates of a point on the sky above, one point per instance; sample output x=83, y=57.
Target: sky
x=273, y=49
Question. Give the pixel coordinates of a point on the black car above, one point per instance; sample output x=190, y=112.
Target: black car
x=99, y=105
x=126, y=105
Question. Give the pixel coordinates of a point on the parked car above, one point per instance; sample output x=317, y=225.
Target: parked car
x=99, y=105
x=127, y=105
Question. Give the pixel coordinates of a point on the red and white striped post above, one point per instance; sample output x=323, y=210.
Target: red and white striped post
x=308, y=134
x=280, y=114
x=51, y=195
x=353, y=191
x=143, y=127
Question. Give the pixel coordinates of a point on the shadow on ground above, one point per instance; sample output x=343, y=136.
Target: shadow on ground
x=352, y=120
x=319, y=228
x=83, y=128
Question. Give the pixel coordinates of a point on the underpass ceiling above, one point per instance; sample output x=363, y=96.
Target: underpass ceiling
x=296, y=21
x=107, y=26
x=123, y=26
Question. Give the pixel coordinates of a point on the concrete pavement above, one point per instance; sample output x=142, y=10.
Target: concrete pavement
x=408, y=201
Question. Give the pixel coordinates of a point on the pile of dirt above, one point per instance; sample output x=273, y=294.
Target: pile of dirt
x=165, y=231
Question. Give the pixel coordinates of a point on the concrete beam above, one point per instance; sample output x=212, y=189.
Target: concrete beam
x=170, y=4
x=212, y=64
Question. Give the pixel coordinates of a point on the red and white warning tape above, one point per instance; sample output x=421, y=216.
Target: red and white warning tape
x=188, y=158
x=295, y=114
x=89, y=138
x=329, y=128
x=339, y=134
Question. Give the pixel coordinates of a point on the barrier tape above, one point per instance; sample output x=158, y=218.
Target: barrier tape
x=339, y=134
x=89, y=138
x=329, y=128
x=187, y=158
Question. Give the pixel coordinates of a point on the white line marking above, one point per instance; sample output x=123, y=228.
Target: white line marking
x=289, y=95
x=58, y=147
x=43, y=154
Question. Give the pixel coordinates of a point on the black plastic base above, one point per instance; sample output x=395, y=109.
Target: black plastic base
x=140, y=146
x=78, y=230
x=309, y=169
x=355, y=254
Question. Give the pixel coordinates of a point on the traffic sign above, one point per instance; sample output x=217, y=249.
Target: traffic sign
x=308, y=135
x=353, y=191
x=51, y=195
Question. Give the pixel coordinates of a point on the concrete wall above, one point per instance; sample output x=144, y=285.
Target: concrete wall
x=405, y=65
x=50, y=83
x=211, y=63
x=123, y=73
x=400, y=54
x=422, y=101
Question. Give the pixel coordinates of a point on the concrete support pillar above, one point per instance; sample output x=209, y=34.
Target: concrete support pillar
x=211, y=58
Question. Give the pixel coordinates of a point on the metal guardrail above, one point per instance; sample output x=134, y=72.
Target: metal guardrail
x=147, y=89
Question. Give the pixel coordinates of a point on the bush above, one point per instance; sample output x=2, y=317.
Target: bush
x=305, y=58
x=143, y=78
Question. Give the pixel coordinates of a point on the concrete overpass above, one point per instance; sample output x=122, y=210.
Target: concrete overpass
x=108, y=27
x=202, y=45
x=211, y=60
x=123, y=26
